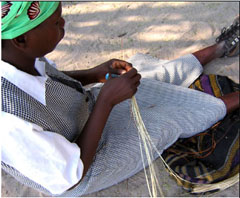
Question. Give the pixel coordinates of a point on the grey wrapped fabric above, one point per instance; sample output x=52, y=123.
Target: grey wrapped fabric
x=168, y=111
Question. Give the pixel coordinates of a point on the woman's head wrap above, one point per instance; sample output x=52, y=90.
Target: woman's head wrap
x=20, y=17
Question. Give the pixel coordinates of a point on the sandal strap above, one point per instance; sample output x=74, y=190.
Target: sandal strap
x=230, y=36
x=227, y=33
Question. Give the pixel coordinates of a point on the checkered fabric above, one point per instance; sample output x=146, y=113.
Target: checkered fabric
x=66, y=103
x=168, y=111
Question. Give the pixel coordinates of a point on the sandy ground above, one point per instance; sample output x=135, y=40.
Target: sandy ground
x=99, y=31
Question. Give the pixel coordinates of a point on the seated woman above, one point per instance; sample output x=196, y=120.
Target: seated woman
x=64, y=140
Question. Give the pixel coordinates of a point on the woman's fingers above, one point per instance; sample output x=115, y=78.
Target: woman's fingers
x=131, y=73
x=120, y=65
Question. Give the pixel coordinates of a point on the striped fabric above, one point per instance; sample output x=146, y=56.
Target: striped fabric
x=211, y=156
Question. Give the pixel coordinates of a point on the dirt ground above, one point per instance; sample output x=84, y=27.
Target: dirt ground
x=99, y=31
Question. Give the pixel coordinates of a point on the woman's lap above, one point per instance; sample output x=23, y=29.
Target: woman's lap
x=168, y=112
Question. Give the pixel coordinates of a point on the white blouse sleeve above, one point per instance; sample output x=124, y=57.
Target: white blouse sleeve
x=45, y=157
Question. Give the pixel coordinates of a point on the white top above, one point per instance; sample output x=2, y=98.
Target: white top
x=44, y=157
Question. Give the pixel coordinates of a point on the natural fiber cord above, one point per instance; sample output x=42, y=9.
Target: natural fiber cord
x=147, y=145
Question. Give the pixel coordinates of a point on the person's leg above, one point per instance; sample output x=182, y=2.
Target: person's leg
x=210, y=53
x=186, y=69
x=231, y=101
x=227, y=44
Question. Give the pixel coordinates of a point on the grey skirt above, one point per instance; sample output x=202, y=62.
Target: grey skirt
x=169, y=110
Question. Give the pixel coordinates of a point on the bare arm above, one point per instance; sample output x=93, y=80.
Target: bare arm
x=97, y=74
x=113, y=92
x=86, y=76
x=91, y=134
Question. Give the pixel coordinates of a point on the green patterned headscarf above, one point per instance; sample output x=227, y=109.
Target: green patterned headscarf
x=20, y=17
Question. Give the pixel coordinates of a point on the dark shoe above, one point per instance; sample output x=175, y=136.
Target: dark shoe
x=230, y=36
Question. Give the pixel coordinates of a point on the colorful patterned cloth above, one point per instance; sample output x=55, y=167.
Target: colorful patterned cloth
x=211, y=156
x=22, y=16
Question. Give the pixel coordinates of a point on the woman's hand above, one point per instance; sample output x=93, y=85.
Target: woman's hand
x=113, y=66
x=97, y=74
x=116, y=90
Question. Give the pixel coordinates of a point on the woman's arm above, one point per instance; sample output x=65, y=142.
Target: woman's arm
x=86, y=77
x=114, y=91
x=97, y=74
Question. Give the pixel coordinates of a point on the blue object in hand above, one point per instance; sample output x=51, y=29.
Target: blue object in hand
x=112, y=75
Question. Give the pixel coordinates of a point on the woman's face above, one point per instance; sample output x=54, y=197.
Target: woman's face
x=45, y=37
